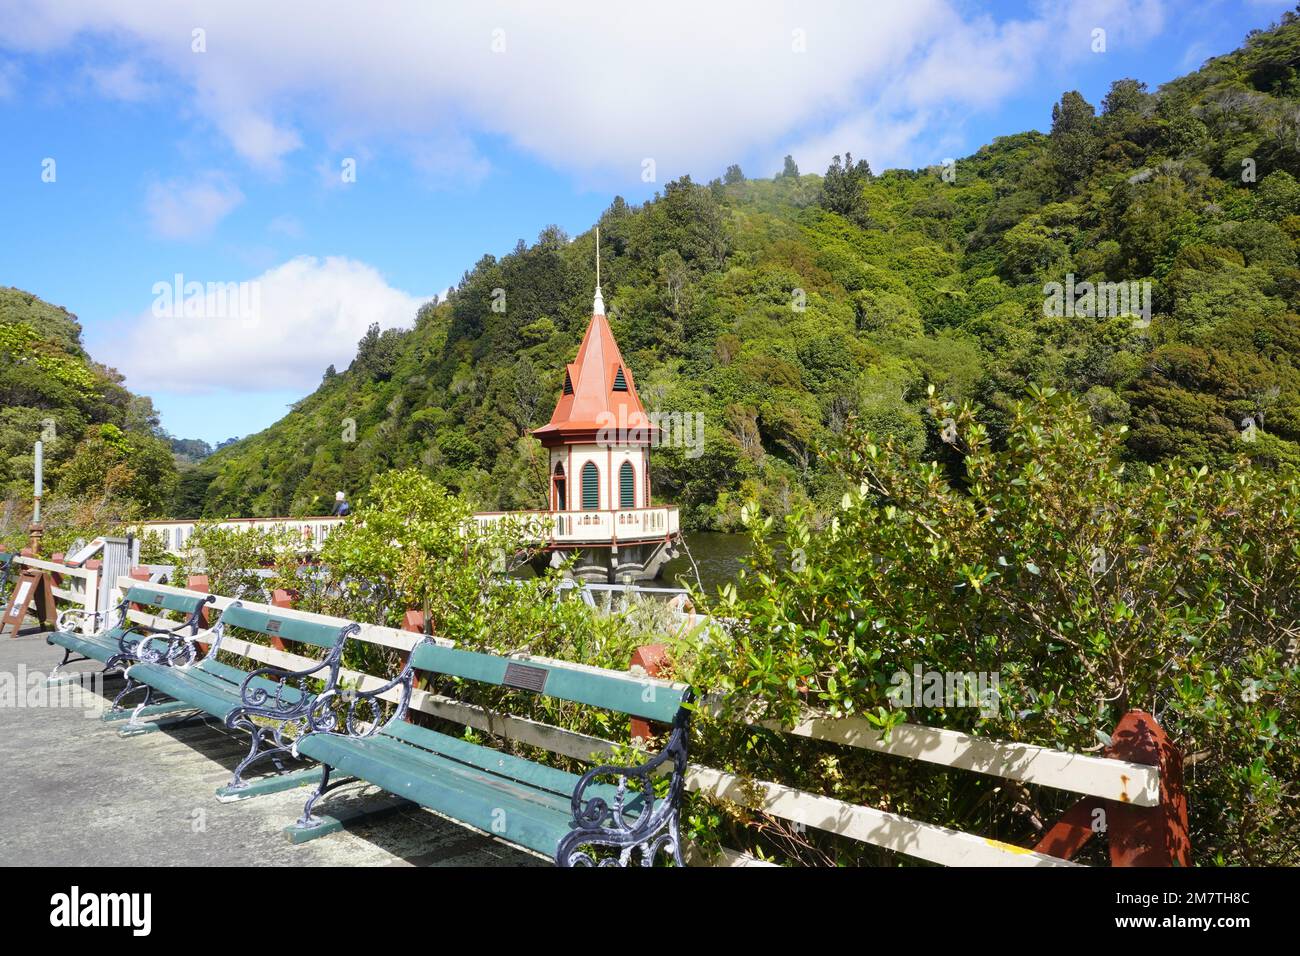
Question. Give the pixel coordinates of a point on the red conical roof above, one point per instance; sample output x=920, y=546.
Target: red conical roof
x=589, y=402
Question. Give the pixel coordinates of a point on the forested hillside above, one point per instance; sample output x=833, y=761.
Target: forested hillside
x=105, y=454
x=781, y=307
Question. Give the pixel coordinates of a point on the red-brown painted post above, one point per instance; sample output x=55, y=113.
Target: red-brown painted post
x=413, y=621
x=199, y=582
x=651, y=658
x=1138, y=836
x=137, y=573
x=282, y=597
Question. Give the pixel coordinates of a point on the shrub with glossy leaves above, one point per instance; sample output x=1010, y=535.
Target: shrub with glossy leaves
x=1087, y=585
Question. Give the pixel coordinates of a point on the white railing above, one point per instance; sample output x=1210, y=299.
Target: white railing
x=592, y=527
x=1109, y=778
x=78, y=586
x=557, y=527
x=313, y=531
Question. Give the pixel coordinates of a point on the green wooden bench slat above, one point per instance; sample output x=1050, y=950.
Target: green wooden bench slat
x=484, y=758
x=170, y=681
x=627, y=695
x=421, y=763
x=291, y=629
x=481, y=800
x=432, y=751
x=234, y=677
x=171, y=602
x=98, y=647
x=502, y=764
x=208, y=685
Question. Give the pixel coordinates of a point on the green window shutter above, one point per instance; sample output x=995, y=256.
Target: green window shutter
x=620, y=383
x=626, y=486
x=590, y=488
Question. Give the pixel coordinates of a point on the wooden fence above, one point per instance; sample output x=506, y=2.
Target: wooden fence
x=1101, y=777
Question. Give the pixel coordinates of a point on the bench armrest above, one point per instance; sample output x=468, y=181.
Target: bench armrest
x=64, y=620
x=325, y=720
x=180, y=647
x=258, y=701
x=601, y=822
x=654, y=829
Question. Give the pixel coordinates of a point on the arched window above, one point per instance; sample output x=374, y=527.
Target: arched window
x=626, y=486
x=590, y=487
x=560, y=498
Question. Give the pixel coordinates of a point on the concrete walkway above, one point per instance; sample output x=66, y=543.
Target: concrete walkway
x=76, y=793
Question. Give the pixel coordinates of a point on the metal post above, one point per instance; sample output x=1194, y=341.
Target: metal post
x=37, y=531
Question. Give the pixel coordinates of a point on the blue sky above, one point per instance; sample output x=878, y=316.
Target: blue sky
x=211, y=140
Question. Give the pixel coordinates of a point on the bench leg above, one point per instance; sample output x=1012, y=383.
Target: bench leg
x=262, y=735
x=54, y=677
x=136, y=726
x=307, y=821
x=130, y=688
x=311, y=827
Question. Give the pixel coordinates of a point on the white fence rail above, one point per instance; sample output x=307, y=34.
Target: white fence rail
x=1121, y=780
x=78, y=586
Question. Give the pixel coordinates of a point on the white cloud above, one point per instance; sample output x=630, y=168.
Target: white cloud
x=190, y=209
x=121, y=82
x=915, y=119
x=298, y=318
x=586, y=85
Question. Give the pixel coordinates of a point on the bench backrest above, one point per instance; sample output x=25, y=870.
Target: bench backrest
x=171, y=602
x=638, y=697
x=291, y=629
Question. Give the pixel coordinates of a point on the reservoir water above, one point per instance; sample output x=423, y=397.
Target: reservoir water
x=716, y=555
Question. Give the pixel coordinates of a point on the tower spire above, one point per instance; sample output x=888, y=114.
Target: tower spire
x=598, y=304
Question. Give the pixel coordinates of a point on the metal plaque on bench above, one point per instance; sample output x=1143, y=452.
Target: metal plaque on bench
x=525, y=677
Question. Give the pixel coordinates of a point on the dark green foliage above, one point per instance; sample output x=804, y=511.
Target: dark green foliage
x=779, y=308
x=1075, y=140
x=842, y=188
x=106, y=458
x=1087, y=586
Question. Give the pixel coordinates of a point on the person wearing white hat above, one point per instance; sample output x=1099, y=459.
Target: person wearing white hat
x=341, y=506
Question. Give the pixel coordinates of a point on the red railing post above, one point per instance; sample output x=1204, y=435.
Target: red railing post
x=199, y=582
x=1138, y=836
x=651, y=658
x=282, y=597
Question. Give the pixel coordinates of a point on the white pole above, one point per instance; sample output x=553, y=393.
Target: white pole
x=40, y=463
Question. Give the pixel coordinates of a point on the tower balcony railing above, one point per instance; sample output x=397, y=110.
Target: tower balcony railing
x=592, y=527
x=554, y=527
